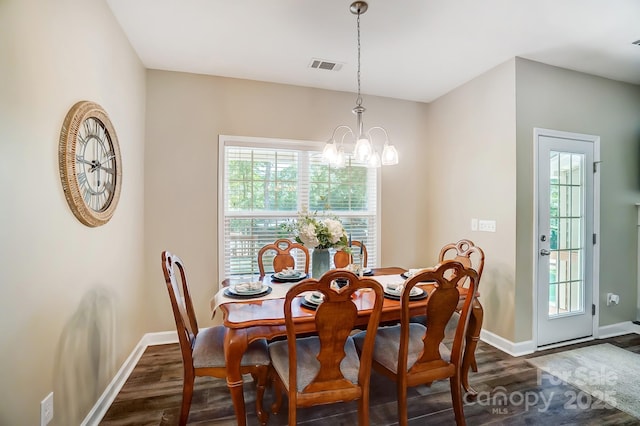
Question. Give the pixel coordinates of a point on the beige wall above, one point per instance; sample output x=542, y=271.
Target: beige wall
x=72, y=307
x=185, y=115
x=559, y=99
x=470, y=173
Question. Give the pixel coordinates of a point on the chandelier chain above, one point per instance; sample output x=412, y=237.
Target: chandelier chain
x=359, y=98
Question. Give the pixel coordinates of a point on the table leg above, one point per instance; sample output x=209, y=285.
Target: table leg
x=473, y=335
x=235, y=345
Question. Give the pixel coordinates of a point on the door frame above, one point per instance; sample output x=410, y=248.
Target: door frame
x=537, y=132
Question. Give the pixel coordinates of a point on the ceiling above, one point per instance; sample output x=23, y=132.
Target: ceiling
x=411, y=49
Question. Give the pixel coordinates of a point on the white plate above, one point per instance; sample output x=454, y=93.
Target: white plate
x=415, y=291
x=313, y=299
x=287, y=276
x=247, y=292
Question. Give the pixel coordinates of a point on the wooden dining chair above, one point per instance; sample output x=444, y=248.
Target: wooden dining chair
x=325, y=368
x=412, y=354
x=465, y=252
x=203, y=349
x=471, y=256
x=283, y=257
x=342, y=258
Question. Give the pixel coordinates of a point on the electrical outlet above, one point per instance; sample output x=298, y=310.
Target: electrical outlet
x=612, y=299
x=487, y=225
x=46, y=410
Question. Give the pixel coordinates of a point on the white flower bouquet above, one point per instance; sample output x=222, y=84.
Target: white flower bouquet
x=316, y=232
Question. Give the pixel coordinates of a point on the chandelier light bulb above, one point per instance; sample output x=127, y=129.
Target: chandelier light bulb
x=329, y=153
x=374, y=160
x=341, y=159
x=362, y=151
x=389, y=155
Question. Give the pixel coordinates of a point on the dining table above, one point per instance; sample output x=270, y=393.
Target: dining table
x=250, y=319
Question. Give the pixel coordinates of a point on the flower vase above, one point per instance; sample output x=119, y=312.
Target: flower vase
x=320, y=262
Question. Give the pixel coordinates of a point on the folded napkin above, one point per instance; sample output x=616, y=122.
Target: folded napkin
x=398, y=289
x=316, y=297
x=386, y=280
x=413, y=272
x=288, y=273
x=248, y=287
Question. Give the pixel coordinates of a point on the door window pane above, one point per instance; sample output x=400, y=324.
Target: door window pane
x=566, y=284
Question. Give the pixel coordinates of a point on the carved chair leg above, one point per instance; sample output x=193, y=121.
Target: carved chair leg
x=403, y=415
x=262, y=377
x=292, y=414
x=277, y=391
x=472, y=338
x=187, y=395
x=456, y=399
x=363, y=409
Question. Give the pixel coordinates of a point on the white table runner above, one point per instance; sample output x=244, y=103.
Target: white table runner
x=279, y=291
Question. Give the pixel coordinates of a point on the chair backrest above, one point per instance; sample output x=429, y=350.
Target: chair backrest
x=465, y=252
x=335, y=319
x=183, y=313
x=283, y=258
x=442, y=301
x=341, y=259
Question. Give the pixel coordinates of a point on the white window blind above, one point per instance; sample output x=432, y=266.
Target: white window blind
x=266, y=182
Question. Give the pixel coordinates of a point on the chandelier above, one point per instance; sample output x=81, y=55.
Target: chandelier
x=334, y=152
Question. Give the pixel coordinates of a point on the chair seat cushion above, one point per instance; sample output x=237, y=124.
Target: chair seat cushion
x=208, y=350
x=387, y=345
x=308, y=349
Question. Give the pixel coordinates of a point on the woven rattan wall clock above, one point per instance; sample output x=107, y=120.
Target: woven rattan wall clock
x=90, y=164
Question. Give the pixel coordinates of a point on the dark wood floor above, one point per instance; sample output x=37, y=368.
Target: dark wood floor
x=151, y=396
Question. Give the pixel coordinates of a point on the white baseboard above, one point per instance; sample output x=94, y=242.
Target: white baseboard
x=528, y=346
x=513, y=349
x=111, y=391
x=618, y=329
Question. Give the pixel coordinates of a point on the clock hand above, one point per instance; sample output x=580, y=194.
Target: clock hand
x=93, y=163
x=99, y=164
x=82, y=160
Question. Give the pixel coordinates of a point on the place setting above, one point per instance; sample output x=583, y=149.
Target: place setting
x=394, y=292
x=411, y=272
x=312, y=299
x=356, y=269
x=247, y=290
x=288, y=275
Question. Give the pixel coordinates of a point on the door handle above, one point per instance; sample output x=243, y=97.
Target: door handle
x=544, y=252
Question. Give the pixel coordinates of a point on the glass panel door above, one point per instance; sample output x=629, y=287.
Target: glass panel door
x=566, y=219
x=565, y=224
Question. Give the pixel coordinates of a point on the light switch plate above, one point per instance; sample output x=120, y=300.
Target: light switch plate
x=487, y=225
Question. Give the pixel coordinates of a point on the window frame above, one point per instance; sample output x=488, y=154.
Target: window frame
x=274, y=143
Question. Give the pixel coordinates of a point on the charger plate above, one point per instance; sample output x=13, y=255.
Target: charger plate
x=230, y=293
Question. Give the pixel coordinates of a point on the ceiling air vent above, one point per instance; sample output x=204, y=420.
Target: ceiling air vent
x=323, y=64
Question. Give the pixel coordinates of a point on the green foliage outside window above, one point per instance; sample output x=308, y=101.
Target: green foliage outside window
x=265, y=188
